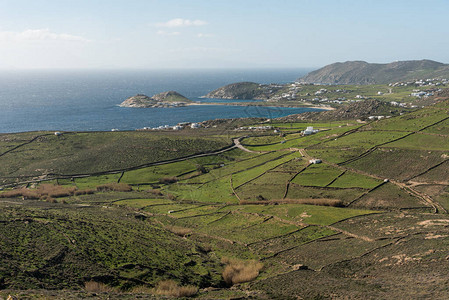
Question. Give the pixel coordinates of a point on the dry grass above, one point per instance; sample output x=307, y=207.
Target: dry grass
x=155, y=192
x=43, y=192
x=319, y=202
x=84, y=192
x=22, y=192
x=168, y=180
x=141, y=289
x=171, y=288
x=238, y=271
x=114, y=187
x=98, y=287
x=55, y=191
x=181, y=231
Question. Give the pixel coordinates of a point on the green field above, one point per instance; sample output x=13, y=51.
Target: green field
x=131, y=209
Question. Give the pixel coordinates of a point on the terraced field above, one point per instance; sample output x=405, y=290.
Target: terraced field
x=369, y=221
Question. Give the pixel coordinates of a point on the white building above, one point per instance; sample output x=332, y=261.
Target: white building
x=309, y=130
x=315, y=161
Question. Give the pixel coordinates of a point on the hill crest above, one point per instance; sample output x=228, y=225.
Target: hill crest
x=362, y=72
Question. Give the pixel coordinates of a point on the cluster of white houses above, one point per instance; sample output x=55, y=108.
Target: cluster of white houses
x=179, y=126
x=424, y=93
x=263, y=127
x=422, y=82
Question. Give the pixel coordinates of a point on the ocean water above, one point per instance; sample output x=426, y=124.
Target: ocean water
x=88, y=100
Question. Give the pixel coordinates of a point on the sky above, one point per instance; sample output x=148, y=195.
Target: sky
x=167, y=34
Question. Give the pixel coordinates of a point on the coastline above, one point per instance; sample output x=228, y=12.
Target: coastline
x=262, y=104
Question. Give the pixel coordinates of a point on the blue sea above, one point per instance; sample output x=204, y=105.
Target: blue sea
x=88, y=100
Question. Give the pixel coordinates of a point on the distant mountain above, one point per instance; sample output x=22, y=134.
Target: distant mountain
x=361, y=72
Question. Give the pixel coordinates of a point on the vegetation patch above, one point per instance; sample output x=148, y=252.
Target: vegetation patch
x=114, y=187
x=173, y=289
x=389, y=196
x=317, y=175
x=238, y=271
x=401, y=164
x=296, y=191
x=353, y=180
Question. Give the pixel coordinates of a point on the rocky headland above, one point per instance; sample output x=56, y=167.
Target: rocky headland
x=165, y=99
x=244, y=91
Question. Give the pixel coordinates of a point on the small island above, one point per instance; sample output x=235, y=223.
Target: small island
x=165, y=99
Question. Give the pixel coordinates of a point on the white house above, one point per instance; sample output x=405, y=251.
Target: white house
x=309, y=130
x=315, y=161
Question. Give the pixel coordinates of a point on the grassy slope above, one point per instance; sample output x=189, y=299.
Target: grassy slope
x=129, y=239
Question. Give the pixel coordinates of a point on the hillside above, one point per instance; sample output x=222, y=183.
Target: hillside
x=357, y=110
x=242, y=90
x=370, y=221
x=360, y=72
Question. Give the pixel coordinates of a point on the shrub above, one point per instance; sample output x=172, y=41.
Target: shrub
x=84, y=192
x=181, y=231
x=114, y=187
x=205, y=248
x=155, y=192
x=55, y=191
x=170, y=196
x=22, y=192
x=43, y=192
x=171, y=288
x=168, y=180
x=98, y=287
x=51, y=200
x=141, y=289
x=202, y=169
x=319, y=202
x=238, y=271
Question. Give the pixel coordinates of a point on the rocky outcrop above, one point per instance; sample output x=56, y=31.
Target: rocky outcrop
x=165, y=99
x=170, y=96
x=138, y=100
x=361, y=72
x=242, y=90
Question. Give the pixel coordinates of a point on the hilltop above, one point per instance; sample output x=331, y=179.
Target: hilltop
x=361, y=72
x=170, y=98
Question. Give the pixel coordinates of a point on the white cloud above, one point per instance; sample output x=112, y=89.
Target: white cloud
x=174, y=23
x=39, y=35
x=166, y=33
x=204, y=35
